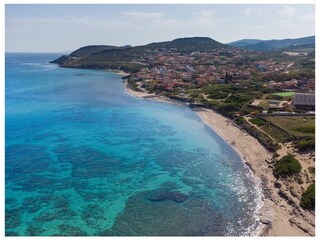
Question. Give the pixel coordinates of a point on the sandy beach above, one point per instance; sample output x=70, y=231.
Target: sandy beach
x=275, y=213
x=122, y=73
x=277, y=217
x=119, y=72
x=151, y=96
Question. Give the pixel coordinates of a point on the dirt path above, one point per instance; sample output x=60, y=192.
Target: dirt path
x=289, y=65
x=257, y=127
x=205, y=96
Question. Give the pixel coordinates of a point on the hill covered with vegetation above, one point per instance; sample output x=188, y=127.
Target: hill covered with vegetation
x=86, y=51
x=104, y=56
x=274, y=45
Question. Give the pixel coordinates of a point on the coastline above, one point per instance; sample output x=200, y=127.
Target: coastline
x=118, y=72
x=151, y=96
x=274, y=214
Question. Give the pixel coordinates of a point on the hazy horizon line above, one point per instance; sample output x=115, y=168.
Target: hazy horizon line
x=67, y=51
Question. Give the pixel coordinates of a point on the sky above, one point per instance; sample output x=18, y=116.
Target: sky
x=64, y=28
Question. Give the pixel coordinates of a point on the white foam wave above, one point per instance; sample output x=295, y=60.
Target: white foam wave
x=45, y=66
x=252, y=197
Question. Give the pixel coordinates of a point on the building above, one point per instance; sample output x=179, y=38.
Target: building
x=304, y=101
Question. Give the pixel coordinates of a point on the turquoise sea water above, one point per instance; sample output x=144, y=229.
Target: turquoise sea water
x=85, y=158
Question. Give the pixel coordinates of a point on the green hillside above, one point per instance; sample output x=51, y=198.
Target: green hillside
x=274, y=45
x=86, y=51
x=103, y=56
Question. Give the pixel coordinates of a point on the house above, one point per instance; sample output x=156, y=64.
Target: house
x=304, y=101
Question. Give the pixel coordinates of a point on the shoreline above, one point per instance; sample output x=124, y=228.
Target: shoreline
x=118, y=72
x=274, y=218
x=150, y=96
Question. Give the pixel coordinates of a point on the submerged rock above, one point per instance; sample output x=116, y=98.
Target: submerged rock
x=34, y=231
x=9, y=201
x=11, y=233
x=92, y=213
x=67, y=230
x=12, y=218
x=195, y=217
x=168, y=195
x=46, y=217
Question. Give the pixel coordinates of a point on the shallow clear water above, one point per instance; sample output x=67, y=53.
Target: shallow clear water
x=85, y=158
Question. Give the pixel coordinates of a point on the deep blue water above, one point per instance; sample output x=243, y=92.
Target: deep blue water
x=85, y=158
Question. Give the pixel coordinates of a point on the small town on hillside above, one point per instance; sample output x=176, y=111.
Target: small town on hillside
x=172, y=71
x=252, y=88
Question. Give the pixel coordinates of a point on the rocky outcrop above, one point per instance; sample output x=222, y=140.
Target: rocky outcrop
x=60, y=60
x=266, y=226
x=303, y=226
x=286, y=197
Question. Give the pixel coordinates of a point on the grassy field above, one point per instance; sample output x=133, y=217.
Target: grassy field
x=278, y=134
x=299, y=126
x=283, y=94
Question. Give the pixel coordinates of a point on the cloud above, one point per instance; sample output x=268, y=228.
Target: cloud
x=85, y=30
x=249, y=11
x=308, y=18
x=85, y=21
x=202, y=18
x=200, y=22
x=287, y=11
x=143, y=15
x=204, y=14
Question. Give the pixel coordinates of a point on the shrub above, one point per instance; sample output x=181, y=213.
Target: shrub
x=212, y=105
x=287, y=166
x=134, y=86
x=245, y=98
x=218, y=95
x=312, y=170
x=240, y=120
x=228, y=108
x=257, y=121
x=306, y=144
x=194, y=94
x=308, y=198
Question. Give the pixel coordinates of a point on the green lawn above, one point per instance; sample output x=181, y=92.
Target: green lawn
x=283, y=94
